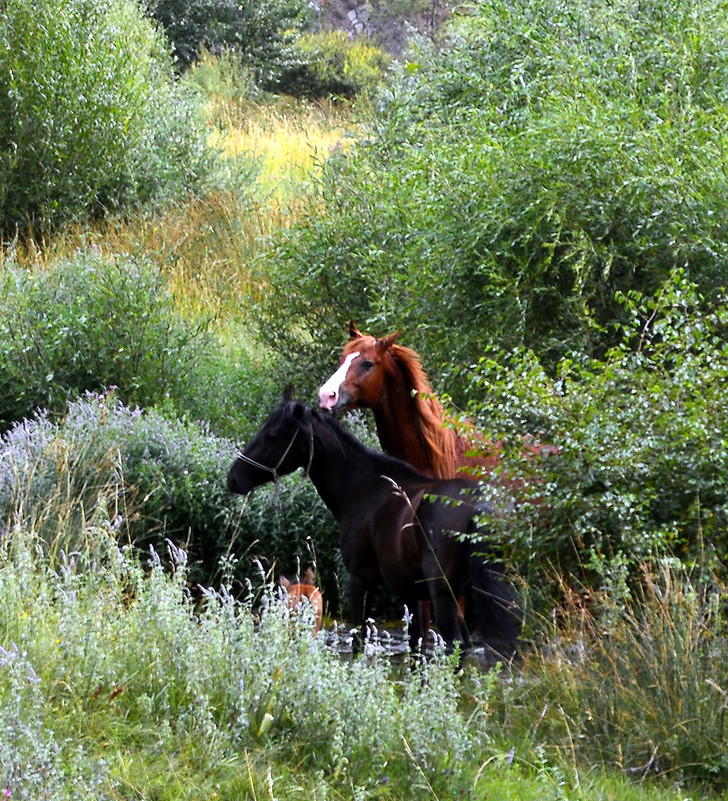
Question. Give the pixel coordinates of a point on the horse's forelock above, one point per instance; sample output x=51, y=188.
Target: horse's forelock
x=312, y=423
x=361, y=343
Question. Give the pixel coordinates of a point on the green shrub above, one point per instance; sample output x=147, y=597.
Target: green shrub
x=88, y=324
x=159, y=478
x=94, y=322
x=221, y=77
x=332, y=64
x=544, y=157
x=641, y=468
x=90, y=119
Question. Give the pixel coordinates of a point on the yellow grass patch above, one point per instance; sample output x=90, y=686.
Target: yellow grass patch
x=288, y=139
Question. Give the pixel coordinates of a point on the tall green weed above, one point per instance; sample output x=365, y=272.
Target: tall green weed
x=634, y=679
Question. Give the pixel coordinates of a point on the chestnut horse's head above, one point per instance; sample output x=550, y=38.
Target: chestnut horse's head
x=359, y=381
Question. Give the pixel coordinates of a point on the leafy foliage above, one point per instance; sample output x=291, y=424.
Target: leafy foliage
x=541, y=159
x=94, y=322
x=158, y=477
x=641, y=467
x=90, y=119
x=259, y=32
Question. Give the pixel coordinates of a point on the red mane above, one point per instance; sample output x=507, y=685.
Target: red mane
x=444, y=447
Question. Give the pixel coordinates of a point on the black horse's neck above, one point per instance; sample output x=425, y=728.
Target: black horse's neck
x=342, y=467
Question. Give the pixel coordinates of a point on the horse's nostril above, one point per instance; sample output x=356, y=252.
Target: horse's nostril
x=327, y=399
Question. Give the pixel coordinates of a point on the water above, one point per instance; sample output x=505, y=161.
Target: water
x=390, y=639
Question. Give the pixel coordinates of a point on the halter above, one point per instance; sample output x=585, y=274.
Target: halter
x=274, y=470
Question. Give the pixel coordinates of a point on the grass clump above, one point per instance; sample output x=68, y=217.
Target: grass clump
x=634, y=677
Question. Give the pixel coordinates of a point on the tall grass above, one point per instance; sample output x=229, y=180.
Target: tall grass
x=634, y=678
x=288, y=138
x=114, y=684
x=208, y=244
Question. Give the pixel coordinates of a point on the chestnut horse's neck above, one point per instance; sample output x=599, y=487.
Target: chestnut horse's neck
x=410, y=420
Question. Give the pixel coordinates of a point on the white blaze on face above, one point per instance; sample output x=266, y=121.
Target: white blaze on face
x=329, y=392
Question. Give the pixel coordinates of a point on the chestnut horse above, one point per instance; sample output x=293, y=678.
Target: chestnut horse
x=383, y=376
x=300, y=593
x=397, y=526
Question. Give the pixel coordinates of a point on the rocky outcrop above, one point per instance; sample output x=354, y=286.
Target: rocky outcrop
x=388, y=24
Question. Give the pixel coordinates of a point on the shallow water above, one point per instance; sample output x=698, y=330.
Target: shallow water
x=390, y=639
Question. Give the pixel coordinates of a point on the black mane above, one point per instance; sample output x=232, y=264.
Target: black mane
x=329, y=433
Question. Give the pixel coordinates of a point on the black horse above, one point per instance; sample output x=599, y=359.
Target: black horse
x=397, y=526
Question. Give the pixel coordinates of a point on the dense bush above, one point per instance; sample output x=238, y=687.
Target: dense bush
x=158, y=478
x=89, y=116
x=93, y=322
x=259, y=32
x=544, y=157
x=642, y=434
x=332, y=64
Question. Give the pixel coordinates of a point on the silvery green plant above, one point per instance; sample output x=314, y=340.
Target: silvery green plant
x=35, y=761
x=106, y=636
x=156, y=477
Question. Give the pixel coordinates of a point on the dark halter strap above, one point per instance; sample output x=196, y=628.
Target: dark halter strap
x=274, y=470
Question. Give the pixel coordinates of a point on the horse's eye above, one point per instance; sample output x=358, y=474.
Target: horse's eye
x=367, y=365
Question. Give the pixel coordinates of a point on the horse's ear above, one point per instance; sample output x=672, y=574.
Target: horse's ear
x=284, y=582
x=288, y=393
x=385, y=343
x=354, y=332
x=309, y=578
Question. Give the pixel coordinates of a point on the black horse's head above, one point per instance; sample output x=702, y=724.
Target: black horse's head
x=282, y=444
x=290, y=438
